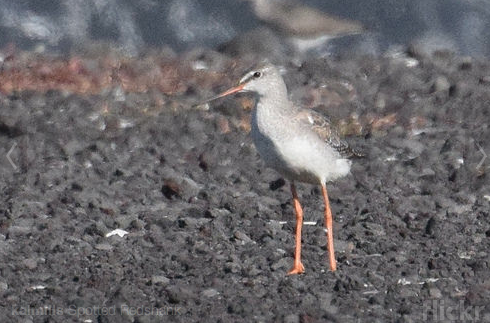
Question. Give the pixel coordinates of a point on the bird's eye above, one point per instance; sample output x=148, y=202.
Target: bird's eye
x=257, y=75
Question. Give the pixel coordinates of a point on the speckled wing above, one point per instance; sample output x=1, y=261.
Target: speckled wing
x=324, y=128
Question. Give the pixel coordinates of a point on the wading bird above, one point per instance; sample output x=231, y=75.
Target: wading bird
x=299, y=143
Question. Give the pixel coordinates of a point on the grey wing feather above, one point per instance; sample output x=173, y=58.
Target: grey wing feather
x=324, y=128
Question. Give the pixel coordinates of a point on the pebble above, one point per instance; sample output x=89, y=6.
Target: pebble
x=3, y=286
x=103, y=247
x=435, y=293
x=124, y=221
x=485, y=80
x=160, y=280
x=291, y=318
x=441, y=84
x=18, y=230
x=242, y=237
x=210, y=292
x=179, y=186
x=283, y=263
x=233, y=267
x=30, y=263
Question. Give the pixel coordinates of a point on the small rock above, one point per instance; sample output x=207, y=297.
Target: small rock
x=460, y=209
x=462, y=88
x=176, y=185
x=441, y=84
x=118, y=94
x=178, y=294
x=138, y=224
x=273, y=227
x=204, y=161
x=283, y=263
x=192, y=222
x=485, y=80
x=160, y=280
x=124, y=221
x=435, y=293
x=243, y=237
x=30, y=263
x=431, y=224
x=325, y=300
x=343, y=246
x=97, y=228
x=291, y=318
x=158, y=207
x=233, y=267
x=72, y=147
x=217, y=213
x=380, y=102
x=210, y=292
x=103, y=247
x=170, y=189
x=427, y=172
x=76, y=187
x=375, y=229
x=222, y=125
x=19, y=230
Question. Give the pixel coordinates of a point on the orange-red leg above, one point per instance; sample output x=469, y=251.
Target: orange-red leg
x=329, y=226
x=298, y=267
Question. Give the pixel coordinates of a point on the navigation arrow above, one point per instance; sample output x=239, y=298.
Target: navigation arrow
x=8, y=156
x=483, y=158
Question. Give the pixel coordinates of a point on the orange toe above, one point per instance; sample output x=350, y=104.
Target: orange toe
x=297, y=269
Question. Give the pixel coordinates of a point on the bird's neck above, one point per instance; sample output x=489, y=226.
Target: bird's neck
x=271, y=109
x=275, y=99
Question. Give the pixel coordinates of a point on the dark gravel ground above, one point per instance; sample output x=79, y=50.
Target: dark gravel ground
x=205, y=239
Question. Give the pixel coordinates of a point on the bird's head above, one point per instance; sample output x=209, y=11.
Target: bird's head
x=261, y=80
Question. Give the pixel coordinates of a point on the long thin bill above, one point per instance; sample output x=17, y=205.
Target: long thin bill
x=228, y=92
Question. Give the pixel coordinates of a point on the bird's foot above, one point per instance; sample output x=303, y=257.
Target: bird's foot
x=297, y=269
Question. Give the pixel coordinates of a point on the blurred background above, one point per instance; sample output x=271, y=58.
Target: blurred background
x=134, y=26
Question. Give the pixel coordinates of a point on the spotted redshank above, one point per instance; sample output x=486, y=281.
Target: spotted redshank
x=304, y=26
x=299, y=143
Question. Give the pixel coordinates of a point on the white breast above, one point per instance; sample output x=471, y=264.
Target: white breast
x=297, y=154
